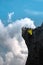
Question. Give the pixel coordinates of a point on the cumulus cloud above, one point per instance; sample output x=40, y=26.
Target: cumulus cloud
x=13, y=50
x=1, y=61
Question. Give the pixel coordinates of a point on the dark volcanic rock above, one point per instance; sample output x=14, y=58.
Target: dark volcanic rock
x=34, y=44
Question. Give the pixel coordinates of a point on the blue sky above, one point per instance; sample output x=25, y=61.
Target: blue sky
x=22, y=8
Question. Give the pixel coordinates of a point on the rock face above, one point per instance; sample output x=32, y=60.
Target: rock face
x=34, y=41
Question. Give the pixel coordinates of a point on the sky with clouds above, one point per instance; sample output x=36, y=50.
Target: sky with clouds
x=13, y=50
x=15, y=14
x=22, y=8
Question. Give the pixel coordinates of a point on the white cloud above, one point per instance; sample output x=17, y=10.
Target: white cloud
x=32, y=12
x=1, y=61
x=10, y=16
x=13, y=50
